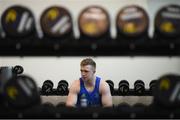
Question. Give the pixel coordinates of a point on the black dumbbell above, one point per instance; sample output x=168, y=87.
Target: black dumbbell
x=17, y=69
x=111, y=86
x=46, y=110
x=21, y=92
x=139, y=110
x=139, y=87
x=61, y=104
x=62, y=88
x=125, y=109
x=139, y=106
x=152, y=84
x=48, y=104
x=167, y=22
x=18, y=21
x=167, y=91
x=47, y=87
x=123, y=87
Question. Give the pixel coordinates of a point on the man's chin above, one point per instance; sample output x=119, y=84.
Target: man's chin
x=84, y=79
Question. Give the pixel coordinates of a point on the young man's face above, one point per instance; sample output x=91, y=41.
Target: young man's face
x=87, y=72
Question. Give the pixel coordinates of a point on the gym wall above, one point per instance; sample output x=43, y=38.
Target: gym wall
x=116, y=68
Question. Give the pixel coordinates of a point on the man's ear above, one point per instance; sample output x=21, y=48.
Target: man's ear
x=94, y=71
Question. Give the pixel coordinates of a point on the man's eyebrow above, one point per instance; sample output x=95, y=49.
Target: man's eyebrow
x=84, y=70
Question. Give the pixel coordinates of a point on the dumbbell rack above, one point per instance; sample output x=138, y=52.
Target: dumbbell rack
x=53, y=93
x=131, y=92
x=116, y=112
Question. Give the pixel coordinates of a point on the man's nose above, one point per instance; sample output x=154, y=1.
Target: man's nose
x=83, y=73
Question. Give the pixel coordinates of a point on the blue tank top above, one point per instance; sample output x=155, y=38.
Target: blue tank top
x=93, y=97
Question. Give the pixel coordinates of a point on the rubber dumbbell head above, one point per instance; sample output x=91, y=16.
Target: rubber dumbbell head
x=47, y=87
x=139, y=107
x=152, y=84
x=61, y=104
x=62, y=88
x=139, y=87
x=18, y=69
x=124, y=107
x=123, y=87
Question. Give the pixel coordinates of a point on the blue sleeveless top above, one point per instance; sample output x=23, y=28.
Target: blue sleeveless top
x=93, y=97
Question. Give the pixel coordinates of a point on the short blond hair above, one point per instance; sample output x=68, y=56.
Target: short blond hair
x=88, y=61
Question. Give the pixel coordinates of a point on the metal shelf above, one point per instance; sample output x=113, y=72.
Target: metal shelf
x=33, y=46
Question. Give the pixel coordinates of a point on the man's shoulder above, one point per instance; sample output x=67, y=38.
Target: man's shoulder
x=76, y=82
x=75, y=86
x=102, y=81
x=103, y=84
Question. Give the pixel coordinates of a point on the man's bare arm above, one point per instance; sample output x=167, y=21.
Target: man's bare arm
x=72, y=96
x=106, y=94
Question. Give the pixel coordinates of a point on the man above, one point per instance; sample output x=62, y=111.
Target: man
x=95, y=90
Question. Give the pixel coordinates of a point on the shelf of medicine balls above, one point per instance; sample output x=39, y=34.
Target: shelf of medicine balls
x=77, y=47
x=19, y=36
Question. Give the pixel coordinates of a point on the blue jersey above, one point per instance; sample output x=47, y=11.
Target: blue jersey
x=93, y=97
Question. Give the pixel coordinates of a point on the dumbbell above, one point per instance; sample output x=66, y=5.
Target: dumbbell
x=18, y=21
x=45, y=110
x=56, y=22
x=47, y=87
x=48, y=104
x=139, y=87
x=62, y=88
x=123, y=87
x=94, y=22
x=132, y=21
x=139, y=110
x=17, y=69
x=152, y=85
x=48, y=107
x=61, y=104
x=21, y=92
x=111, y=86
x=167, y=91
x=167, y=21
x=139, y=106
x=125, y=109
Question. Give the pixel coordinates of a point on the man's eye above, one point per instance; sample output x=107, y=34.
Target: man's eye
x=84, y=71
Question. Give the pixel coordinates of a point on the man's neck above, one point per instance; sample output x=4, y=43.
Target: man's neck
x=91, y=82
